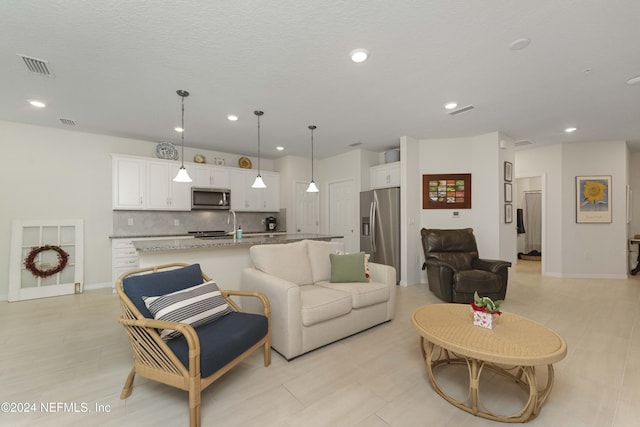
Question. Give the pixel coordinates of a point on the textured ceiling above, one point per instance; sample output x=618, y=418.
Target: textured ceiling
x=118, y=65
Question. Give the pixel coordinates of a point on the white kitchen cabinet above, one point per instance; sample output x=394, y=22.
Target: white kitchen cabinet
x=246, y=198
x=270, y=200
x=129, y=183
x=208, y=176
x=124, y=256
x=162, y=192
x=387, y=175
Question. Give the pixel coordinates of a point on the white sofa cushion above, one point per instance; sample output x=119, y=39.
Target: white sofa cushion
x=363, y=294
x=322, y=303
x=287, y=261
x=319, y=256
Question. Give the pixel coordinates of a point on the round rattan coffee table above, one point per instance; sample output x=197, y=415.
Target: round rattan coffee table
x=513, y=348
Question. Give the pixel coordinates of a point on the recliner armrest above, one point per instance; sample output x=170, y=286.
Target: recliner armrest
x=492, y=265
x=434, y=262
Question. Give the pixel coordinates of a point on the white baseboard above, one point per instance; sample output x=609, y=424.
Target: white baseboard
x=87, y=287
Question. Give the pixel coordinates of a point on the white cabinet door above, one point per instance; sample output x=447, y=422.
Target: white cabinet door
x=162, y=192
x=271, y=194
x=387, y=175
x=209, y=176
x=246, y=198
x=219, y=177
x=179, y=192
x=128, y=177
x=238, y=187
x=158, y=191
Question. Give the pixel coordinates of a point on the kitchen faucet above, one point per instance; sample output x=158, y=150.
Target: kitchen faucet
x=231, y=211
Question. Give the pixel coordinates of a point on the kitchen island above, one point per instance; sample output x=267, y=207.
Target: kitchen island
x=222, y=259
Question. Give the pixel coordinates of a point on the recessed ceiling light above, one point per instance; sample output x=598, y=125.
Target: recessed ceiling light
x=178, y=129
x=37, y=104
x=450, y=105
x=634, y=80
x=232, y=117
x=570, y=129
x=280, y=148
x=519, y=44
x=359, y=55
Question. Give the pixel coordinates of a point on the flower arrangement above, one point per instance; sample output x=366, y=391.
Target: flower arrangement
x=484, y=310
x=485, y=304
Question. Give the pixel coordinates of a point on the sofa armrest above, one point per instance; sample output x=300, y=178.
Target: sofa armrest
x=492, y=265
x=286, y=308
x=386, y=274
x=382, y=273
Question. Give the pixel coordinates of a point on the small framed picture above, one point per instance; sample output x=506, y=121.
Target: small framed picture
x=508, y=171
x=508, y=214
x=508, y=194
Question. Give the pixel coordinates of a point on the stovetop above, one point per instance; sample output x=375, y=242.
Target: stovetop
x=208, y=233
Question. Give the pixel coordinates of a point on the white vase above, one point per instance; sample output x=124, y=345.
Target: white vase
x=483, y=319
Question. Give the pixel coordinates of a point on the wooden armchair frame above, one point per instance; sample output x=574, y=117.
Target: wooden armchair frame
x=153, y=359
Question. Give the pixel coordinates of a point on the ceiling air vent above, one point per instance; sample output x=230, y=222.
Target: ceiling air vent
x=461, y=110
x=355, y=144
x=38, y=66
x=68, y=122
x=522, y=143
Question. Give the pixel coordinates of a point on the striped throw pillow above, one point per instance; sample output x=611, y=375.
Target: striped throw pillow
x=196, y=306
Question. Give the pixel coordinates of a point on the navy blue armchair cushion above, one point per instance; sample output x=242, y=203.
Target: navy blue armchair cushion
x=160, y=283
x=223, y=340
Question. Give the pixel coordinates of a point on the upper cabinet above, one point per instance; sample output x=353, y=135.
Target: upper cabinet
x=246, y=198
x=206, y=176
x=129, y=180
x=162, y=192
x=387, y=175
x=147, y=184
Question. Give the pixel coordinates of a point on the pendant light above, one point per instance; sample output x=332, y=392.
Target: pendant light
x=182, y=175
x=313, y=188
x=258, y=183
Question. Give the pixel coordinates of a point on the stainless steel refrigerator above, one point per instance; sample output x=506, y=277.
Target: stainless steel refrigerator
x=380, y=226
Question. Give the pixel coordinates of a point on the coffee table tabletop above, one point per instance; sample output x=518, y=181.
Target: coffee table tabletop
x=513, y=348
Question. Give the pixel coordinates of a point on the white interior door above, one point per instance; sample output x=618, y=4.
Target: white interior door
x=46, y=259
x=342, y=213
x=306, y=209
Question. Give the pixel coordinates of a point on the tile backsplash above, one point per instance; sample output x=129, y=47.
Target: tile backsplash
x=137, y=223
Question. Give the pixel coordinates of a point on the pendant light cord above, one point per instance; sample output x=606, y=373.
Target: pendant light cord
x=258, y=113
x=312, y=127
x=182, y=133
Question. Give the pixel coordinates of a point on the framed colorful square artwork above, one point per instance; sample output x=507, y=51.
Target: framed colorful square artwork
x=446, y=191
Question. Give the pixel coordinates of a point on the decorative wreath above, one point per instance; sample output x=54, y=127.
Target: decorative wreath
x=29, y=261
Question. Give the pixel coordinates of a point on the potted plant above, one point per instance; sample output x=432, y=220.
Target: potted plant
x=484, y=310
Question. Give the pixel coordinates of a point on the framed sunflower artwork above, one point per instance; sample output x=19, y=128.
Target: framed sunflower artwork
x=593, y=199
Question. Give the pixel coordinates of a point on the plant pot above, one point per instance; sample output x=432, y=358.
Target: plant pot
x=483, y=319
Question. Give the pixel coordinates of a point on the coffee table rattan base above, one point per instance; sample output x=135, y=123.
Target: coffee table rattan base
x=514, y=348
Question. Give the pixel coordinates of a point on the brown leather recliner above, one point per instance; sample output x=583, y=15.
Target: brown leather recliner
x=454, y=269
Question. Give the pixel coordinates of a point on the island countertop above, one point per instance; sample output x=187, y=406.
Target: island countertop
x=164, y=245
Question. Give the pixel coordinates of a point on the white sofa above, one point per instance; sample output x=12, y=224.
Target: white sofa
x=307, y=310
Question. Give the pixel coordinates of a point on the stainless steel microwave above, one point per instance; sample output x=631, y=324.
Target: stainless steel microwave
x=210, y=198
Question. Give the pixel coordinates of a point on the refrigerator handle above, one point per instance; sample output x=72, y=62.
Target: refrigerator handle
x=372, y=226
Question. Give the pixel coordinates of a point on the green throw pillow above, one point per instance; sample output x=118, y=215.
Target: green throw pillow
x=347, y=268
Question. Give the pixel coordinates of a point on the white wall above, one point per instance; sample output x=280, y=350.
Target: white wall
x=597, y=250
x=60, y=174
x=411, y=253
x=571, y=249
x=482, y=157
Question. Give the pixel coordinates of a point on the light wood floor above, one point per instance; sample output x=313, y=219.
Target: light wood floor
x=71, y=350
